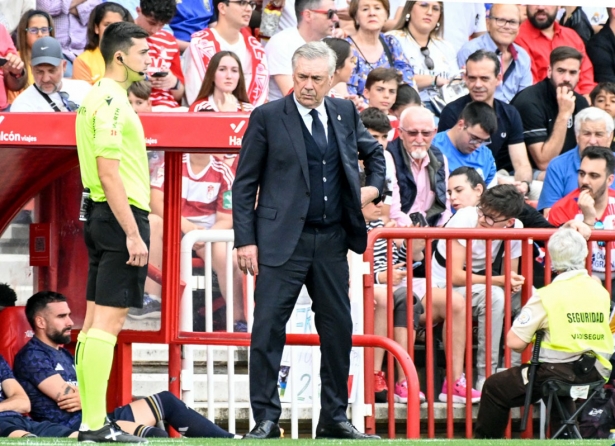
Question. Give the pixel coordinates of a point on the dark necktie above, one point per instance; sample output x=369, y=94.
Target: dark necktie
x=318, y=131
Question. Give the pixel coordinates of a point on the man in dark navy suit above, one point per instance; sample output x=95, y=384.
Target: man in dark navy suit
x=299, y=156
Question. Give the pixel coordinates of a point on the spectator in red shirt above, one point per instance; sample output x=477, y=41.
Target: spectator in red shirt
x=12, y=74
x=593, y=203
x=540, y=34
x=167, y=89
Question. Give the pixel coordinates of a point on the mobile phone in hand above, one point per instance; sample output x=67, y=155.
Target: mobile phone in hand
x=3, y=61
x=160, y=74
x=418, y=219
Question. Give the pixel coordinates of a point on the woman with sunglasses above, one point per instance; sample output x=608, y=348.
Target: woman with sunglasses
x=89, y=65
x=372, y=48
x=33, y=25
x=433, y=60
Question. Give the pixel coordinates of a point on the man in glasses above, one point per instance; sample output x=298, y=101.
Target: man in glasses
x=465, y=144
x=593, y=203
x=497, y=209
x=483, y=75
x=502, y=29
x=233, y=15
x=51, y=92
x=315, y=21
x=421, y=168
x=165, y=72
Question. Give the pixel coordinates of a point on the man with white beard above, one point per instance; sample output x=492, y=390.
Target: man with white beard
x=466, y=143
x=421, y=169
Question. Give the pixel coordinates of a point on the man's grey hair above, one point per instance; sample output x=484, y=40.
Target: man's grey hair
x=568, y=250
x=316, y=50
x=593, y=114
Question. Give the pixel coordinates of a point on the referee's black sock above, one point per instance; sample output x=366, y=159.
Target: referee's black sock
x=184, y=420
x=150, y=431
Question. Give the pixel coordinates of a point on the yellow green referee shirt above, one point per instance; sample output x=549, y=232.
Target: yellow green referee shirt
x=108, y=127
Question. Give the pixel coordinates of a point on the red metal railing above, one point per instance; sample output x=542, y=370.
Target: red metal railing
x=526, y=236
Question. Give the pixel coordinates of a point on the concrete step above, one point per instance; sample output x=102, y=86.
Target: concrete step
x=144, y=384
x=242, y=412
x=15, y=240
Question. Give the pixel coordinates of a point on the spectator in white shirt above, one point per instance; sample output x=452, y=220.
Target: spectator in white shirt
x=50, y=91
x=316, y=20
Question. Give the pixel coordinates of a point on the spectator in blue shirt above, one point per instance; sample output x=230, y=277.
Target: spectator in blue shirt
x=592, y=127
x=502, y=29
x=466, y=143
x=191, y=16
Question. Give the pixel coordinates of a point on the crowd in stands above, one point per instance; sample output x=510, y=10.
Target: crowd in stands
x=531, y=118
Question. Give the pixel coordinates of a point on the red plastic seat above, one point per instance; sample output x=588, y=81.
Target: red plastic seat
x=16, y=332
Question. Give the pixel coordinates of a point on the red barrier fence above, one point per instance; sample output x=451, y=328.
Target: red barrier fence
x=526, y=236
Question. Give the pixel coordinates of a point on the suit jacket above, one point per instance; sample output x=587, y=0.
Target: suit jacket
x=273, y=162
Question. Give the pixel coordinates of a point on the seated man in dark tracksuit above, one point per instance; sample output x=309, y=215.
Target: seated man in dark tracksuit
x=14, y=403
x=46, y=371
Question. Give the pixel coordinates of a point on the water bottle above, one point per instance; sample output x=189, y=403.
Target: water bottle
x=612, y=435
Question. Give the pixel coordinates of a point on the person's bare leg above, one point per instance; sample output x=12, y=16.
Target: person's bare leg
x=400, y=334
x=438, y=302
x=152, y=287
x=218, y=257
x=18, y=434
x=380, y=323
x=142, y=413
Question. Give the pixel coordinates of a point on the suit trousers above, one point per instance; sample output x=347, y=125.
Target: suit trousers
x=505, y=390
x=319, y=261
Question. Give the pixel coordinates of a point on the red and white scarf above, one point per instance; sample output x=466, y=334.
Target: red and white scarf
x=207, y=45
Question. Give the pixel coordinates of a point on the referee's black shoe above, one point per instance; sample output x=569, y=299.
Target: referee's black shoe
x=109, y=433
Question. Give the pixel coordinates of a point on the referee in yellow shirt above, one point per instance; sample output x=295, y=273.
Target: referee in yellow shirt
x=113, y=163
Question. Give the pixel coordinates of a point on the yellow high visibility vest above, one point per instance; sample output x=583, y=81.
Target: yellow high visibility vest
x=578, y=317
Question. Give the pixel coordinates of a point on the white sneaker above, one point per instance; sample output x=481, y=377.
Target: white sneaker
x=480, y=382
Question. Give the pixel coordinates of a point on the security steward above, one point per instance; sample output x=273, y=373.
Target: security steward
x=573, y=312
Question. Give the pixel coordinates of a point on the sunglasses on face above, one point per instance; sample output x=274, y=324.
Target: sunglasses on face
x=415, y=133
x=330, y=13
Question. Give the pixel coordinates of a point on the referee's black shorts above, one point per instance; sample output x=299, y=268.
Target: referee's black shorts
x=111, y=282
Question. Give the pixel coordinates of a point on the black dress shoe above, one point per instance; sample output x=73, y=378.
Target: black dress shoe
x=264, y=429
x=343, y=429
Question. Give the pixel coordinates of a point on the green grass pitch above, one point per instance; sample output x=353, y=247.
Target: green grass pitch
x=310, y=442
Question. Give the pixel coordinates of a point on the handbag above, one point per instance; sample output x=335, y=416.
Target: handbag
x=448, y=93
